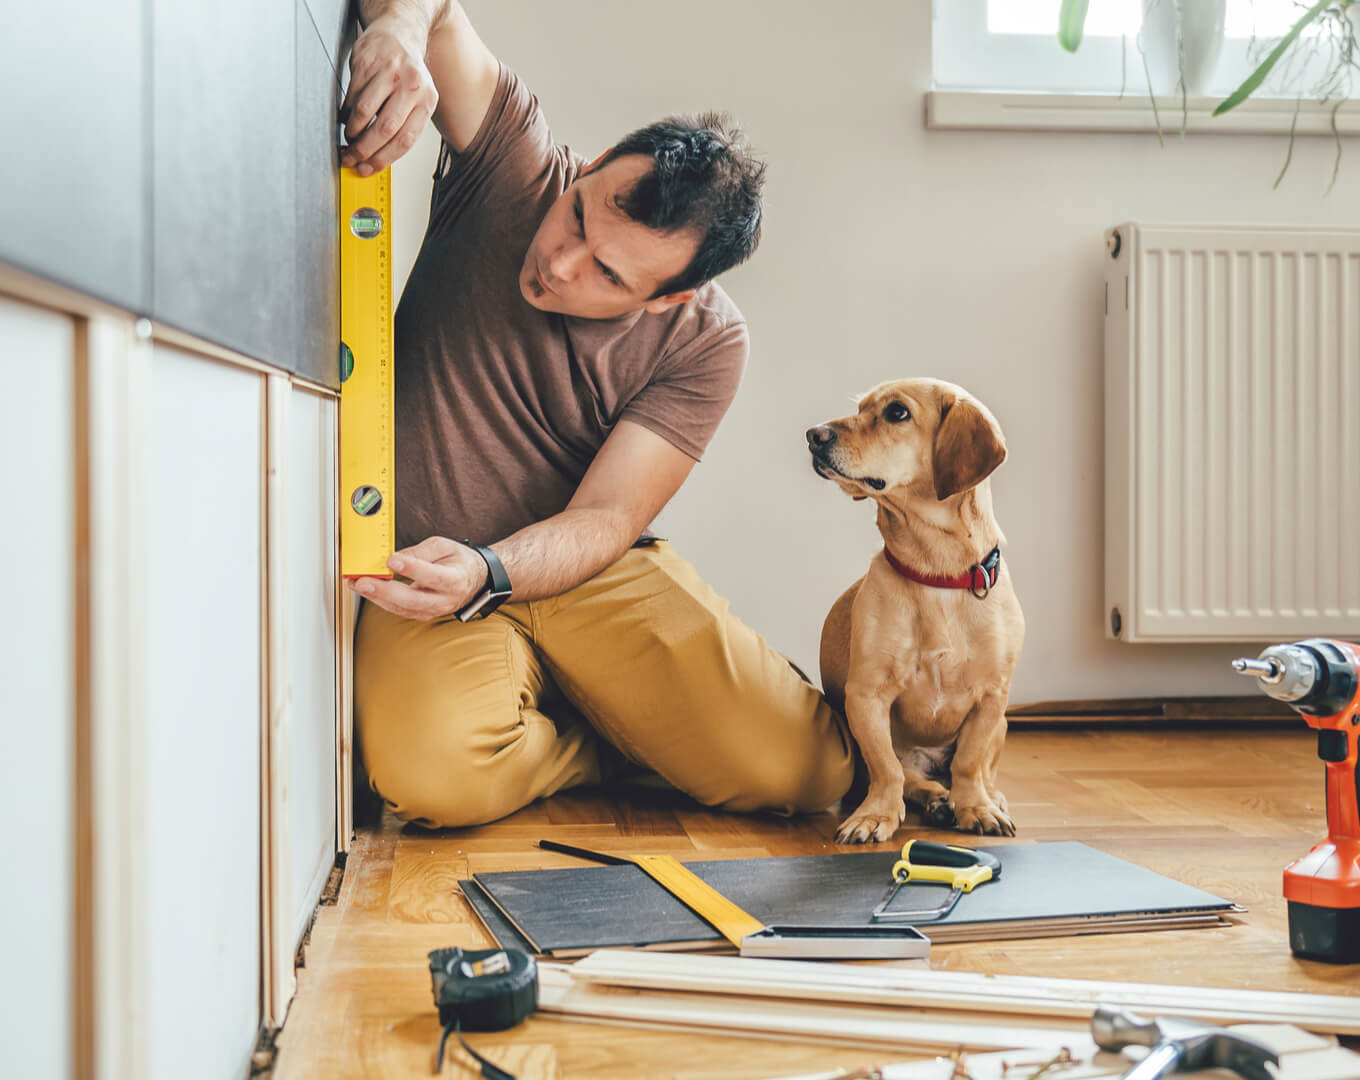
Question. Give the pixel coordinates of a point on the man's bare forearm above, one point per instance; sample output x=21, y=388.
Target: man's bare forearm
x=557, y=554
x=424, y=15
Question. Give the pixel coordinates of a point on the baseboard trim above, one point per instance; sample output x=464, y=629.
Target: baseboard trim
x=1187, y=711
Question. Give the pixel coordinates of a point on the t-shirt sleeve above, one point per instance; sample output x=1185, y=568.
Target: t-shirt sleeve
x=691, y=393
x=511, y=150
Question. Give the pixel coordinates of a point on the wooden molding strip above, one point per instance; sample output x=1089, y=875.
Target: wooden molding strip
x=560, y=992
x=117, y=370
x=278, y=977
x=964, y=991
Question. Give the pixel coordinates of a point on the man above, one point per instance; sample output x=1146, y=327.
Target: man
x=563, y=358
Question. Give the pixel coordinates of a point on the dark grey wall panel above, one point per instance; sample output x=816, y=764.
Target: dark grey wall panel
x=74, y=180
x=332, y=21
x=224, y=228
x=317, y=251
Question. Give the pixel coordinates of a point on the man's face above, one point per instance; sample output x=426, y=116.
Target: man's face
x=590, y=259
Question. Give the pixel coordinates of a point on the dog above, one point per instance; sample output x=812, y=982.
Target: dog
x=918, y=653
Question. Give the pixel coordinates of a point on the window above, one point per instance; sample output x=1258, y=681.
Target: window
x=1013, y=45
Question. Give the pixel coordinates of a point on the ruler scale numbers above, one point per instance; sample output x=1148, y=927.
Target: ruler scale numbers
x=367, y=427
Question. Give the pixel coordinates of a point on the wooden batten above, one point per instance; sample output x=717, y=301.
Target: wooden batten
x=116, y=366
x=278, y=977
x=746, y=977
x=560, y=992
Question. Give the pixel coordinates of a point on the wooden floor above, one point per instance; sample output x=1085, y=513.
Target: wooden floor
x=1225, y=810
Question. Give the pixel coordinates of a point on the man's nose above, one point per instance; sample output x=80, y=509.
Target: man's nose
x=565, y=263
x=820, y=437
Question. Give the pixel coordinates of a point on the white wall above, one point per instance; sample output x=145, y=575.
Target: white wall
x=37, y=684
x=890, y=250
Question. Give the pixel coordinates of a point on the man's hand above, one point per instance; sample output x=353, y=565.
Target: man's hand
x=390, y=86
x=444, y=575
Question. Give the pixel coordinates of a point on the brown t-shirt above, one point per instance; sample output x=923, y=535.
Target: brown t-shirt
x=500, y=407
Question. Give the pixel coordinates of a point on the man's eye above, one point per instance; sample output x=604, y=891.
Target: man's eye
x=580, y=217
x=896, y=413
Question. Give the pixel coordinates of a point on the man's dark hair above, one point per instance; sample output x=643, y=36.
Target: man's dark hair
x=703, y=178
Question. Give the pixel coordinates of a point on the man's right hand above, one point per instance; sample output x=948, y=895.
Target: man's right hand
x=417, y=60
x=389, y=86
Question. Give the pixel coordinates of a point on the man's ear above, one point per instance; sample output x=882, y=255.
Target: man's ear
x=659, y=304
x=968, y=447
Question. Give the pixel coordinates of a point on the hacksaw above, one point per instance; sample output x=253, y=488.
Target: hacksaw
x=367, y=423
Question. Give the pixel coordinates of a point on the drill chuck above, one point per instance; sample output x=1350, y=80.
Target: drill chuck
x=1285, y=672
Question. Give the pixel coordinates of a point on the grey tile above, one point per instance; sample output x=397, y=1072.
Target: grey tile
x=317, y=249
x=224, y=174
x=74, y=183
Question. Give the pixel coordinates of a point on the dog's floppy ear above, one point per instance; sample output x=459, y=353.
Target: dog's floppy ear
x=968, y=446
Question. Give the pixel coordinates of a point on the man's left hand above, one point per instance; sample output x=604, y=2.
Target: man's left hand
x=443, y=575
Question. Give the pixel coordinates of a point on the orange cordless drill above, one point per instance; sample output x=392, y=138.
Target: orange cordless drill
x=1321, y=679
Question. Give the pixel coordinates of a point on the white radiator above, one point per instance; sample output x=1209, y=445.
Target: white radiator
x=1232, y=433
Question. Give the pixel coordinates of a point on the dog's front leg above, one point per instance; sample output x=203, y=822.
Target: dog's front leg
x=882, y=811
x=978, y=806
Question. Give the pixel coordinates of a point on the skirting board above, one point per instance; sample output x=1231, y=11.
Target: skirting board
x=740, y=977
x=559, y=992
x=1256, y=709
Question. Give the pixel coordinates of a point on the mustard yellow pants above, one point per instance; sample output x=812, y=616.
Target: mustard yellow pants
x=641, y=668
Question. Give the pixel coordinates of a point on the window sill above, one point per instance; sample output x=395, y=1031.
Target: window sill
x=983, y=110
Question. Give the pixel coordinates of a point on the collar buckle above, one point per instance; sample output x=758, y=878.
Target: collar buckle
x=982, y=576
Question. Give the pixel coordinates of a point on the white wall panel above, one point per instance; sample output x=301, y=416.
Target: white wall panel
x=204, y=475
x=37, y=680
x=312, y=572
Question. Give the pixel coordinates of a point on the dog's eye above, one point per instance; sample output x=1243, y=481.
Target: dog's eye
x=896, y=413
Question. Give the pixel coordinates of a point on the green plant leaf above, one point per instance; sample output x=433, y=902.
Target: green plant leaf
x=1072, y=23
x=1257, y=77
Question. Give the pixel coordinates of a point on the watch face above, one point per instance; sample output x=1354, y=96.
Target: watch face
x=478, y=605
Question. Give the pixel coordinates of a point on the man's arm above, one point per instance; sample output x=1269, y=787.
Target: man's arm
x=415, y=60
x=633, y=476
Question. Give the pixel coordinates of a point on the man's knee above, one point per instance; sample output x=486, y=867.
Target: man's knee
x=434, y=783
x=798, y=783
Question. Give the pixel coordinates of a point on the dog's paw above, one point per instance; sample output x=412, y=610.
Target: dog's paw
x=865, y=826
x=986, y=820
x=939, y=814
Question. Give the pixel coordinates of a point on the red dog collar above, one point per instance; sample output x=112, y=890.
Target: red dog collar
x=978, y=578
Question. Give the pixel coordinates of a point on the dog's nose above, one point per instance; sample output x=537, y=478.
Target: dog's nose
x=820, y=437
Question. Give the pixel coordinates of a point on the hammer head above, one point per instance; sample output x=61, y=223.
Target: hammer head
x=1198, y=1046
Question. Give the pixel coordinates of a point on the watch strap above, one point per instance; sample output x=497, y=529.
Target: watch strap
x=494, y=593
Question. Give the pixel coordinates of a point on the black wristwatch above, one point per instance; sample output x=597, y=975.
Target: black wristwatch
x=493, y=594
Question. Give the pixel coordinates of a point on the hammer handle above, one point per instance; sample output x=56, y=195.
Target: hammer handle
x=1160, y=1061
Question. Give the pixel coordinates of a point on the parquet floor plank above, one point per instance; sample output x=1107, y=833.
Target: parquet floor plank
x=1224, y=810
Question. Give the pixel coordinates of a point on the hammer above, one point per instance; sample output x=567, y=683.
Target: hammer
x=1179, y=1045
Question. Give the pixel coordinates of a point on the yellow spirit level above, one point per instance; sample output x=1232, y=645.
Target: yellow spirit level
x=367, y=426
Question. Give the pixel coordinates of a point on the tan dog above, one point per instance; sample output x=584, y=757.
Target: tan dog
x=914, y=665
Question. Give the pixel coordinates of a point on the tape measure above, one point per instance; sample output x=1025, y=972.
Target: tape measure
x=367, y=379
x=482, y=990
